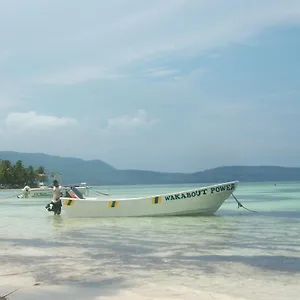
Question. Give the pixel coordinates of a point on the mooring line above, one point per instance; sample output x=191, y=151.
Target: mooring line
x=9, y=197
x=241, y=205
x=100, y=193
x=5, y=296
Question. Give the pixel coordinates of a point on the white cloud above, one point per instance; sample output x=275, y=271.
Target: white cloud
x=131, y=122
x=78, y=47
x=33, y=122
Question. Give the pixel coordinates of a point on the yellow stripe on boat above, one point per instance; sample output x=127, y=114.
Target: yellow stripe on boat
x=156, y=200
x=69, y=202
x=113, y=203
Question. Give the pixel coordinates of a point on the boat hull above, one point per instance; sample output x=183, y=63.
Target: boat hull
x=202, y=201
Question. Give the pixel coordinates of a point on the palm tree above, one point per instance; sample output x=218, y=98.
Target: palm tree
x=18, y=175
x=31, y=176
x=41, y=172
x=6, y=172
x=18, y=172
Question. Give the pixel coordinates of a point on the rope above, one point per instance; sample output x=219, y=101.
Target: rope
x=102, y=193
x=5, y=296
x=241, y=205
x=13, y=196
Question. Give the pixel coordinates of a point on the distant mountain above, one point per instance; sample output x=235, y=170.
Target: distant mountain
x=73, y=170
x=97, y=172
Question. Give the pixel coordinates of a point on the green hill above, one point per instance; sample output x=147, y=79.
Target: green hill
x=97, y=172
x=73, y=170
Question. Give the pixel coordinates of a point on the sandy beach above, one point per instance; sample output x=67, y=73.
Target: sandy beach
x=28, y=289
x=156, y=288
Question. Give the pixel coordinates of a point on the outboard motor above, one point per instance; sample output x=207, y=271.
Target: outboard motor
x=74, y=193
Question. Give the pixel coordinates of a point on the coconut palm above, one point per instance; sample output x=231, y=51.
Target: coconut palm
x=41, y=172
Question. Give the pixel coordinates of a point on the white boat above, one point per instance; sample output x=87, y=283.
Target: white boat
x=46, y=191
x=200, y=201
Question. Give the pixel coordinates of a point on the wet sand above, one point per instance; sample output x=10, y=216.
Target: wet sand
x=29, y=289
x=154, y=287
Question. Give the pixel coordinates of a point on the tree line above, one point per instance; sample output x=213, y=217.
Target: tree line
x=17, y=176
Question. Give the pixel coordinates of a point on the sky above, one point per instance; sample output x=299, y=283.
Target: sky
x=163, y=85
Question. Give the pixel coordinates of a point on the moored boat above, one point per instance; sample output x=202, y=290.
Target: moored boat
x=201, y=201
x=47, y=191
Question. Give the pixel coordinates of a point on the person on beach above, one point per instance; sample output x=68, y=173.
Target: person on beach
x=56, y=202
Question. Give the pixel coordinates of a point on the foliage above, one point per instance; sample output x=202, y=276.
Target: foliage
x=41, y=173
x=16, y=175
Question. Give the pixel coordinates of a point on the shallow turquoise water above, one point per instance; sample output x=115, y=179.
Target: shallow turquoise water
x=236, y=252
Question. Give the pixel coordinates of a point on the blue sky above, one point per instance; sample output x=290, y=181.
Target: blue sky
x=167, y=85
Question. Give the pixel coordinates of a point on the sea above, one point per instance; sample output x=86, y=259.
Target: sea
x=235, y=254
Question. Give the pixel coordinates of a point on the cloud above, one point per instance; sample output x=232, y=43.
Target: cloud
x=32, y=122
x=130, y=122
x=84, y=49
x=34, y=132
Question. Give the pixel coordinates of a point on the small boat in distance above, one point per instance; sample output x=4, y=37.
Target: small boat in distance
x=44, y=191
x=200, y=201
